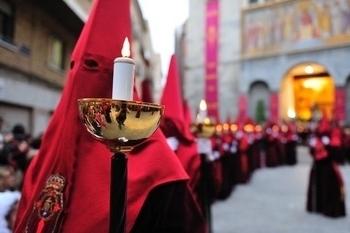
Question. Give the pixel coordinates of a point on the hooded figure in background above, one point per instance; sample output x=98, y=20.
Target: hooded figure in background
x=326, y=190
x=67, y=185
x=176, y=127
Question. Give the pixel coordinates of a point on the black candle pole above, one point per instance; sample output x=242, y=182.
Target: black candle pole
x=117, y=210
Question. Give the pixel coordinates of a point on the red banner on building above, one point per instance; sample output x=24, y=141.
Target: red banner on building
x=273, y=107
x=211, y=70
x=339, y=105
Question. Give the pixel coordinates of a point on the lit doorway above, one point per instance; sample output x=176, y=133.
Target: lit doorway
x=307, y=92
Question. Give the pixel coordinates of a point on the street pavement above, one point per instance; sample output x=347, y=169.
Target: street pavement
x=274, y=202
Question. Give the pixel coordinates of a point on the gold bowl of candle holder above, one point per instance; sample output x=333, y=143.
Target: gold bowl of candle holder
x=119, y=124
x=202, y=130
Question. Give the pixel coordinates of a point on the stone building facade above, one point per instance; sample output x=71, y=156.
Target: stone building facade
x=263, y=51
x=36, y=39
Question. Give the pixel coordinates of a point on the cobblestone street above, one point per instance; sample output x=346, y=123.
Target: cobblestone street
x=274, y=202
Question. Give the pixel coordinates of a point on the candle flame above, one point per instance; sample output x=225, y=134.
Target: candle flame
x=126, y=48
x=203, y=105
x=218, y=127
x=226, y=126
x=233, y=127
x=207, y=120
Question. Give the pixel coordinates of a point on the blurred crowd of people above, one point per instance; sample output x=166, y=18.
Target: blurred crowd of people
x=236, y=150
x=229, y=157
x=17, y=148
x=241, y=147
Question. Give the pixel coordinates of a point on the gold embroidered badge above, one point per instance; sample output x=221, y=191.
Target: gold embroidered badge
x=48, y=208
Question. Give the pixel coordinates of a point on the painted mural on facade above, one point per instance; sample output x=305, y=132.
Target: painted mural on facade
x=294, y=25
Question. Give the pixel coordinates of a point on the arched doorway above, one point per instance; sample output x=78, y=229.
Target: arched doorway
x=307, y=91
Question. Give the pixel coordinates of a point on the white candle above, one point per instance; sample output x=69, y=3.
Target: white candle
x=202, y=111
x=123, y=75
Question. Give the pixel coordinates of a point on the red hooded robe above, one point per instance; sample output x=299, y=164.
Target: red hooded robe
x=79, y=165
x=176, y=123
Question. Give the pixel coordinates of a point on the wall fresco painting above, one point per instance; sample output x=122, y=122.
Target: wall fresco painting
x=293, y=25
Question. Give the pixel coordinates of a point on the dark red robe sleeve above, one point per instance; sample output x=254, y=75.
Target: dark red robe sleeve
x=170, y=208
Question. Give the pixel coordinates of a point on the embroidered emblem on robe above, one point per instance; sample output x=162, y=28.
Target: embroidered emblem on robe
x=48, y=208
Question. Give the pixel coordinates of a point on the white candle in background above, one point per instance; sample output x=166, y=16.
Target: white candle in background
x=202, y=111
x=123, y=75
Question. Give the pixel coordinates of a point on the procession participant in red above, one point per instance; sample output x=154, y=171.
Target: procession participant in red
x=193, y=162
x=227, y=145
x=336, y=148
x=249, y=129
x=67, y=185
x=212, y=163
x=176, y=126
x=257, y=146
x=346, y=143
x=326, y=189
x=272, y=156
x=280, y=143
x=236, y=167
x=291, y=140
x=242, y=154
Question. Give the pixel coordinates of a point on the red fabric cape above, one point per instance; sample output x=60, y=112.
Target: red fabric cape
x=68, y=149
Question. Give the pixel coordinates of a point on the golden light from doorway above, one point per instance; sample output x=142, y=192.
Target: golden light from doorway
x=309, y=69
x=311, y=91
x=299, y=96
x=291, y=113
x=314, y=83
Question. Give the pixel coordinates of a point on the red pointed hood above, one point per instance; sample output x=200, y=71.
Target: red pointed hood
x=172, y=100
x=218, y=128
x=187, y=151
x=187, y=122
x=324, y=126
x=66, y=141
x=69, y=150
x=240, y=123
x=227, y=126
x=228, y=119
x=249, y=121
x=217, y=119
x=102, y=35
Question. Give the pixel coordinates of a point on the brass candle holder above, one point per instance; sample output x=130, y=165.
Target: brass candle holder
x=120, y=125
x=203, y=131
